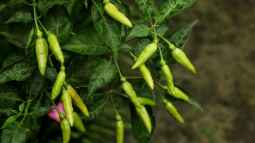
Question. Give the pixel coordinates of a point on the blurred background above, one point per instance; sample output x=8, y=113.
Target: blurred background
x=222, y=48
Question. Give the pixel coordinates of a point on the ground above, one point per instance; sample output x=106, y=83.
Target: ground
x=222, y=48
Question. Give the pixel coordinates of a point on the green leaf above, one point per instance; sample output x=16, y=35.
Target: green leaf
x=17, y=72
x=172, y=7
x=45, y=5
x=103, y=74
x=9, y=99
x=11, y=60
x=180, y=37
x=13, y=134
x=88, y=42
x=20, y=16
x=59, y=24
x=139, y=31
x=9, y=121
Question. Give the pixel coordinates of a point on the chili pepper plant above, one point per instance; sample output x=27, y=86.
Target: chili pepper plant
x=90, y=71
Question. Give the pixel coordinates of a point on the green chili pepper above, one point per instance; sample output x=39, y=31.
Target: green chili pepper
x=56, y=89
x=147, y=75
x=77, y=100
x=182, y=59
x=168, y=74
x=144, y=115
x=113, y=11
x=147, y=52
x=146, y=101
x=66, y=130
x=67, y=101
x=173, y=111
x=55, y=47
x=120, y=129
x=179, y=94
x=129, y=90
x=78, y=124
x=41, y=48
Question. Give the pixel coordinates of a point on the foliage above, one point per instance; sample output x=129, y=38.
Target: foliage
x=96, y=49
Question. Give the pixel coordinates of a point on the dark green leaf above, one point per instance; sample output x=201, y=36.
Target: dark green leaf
x=180, y=37
x=17, y=72
x=102, y=75
x=13, y=134
x=9, y=100
x=139, y=31
x=88, y=42
x=59, y=24
x=9, y=121
x=20, y=16
x=45, y=5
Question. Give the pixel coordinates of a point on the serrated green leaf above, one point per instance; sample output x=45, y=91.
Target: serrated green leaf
x=20, y=16
x=103, y=74
x=172, y=7
x=180, y=37
x=139, y=31
x=17, y=72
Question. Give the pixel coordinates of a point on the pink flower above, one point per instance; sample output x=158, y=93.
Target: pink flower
x=54, y=112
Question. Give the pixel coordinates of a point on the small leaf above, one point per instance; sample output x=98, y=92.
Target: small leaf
x=20, y=16
x=17, y=72
x=103, y=74
x=139, y=31
x=180, y=37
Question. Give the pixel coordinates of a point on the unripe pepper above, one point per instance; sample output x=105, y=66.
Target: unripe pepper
x=55, y=47
x=173, y=111
x=120, y=129
x=168, y=74
x=59, y=82
x=41, y=48
x=146, y=101
x=130, y=91
x=113, y=11
x=179, y=94
x=144, y=115
x=78, y=124
x=67, y=101
x=147, y=52
x=66, y=130
x=147, y=76
x=182, y=59
x=77, y=100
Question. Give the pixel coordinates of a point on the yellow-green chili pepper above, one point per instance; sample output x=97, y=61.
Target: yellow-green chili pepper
x=55, y=47
x=120, y=129
x=129, y=90
x=147, y=52
x=77, y=100
x=182, y=59
x=168, y=74
x=173, y=111
x=179, y=94
x=67, y=101
x=146, y=101
x=114, y=12
x=66, y=130
x=59, y=82
x=147, y=76
x=78, y=124
x=41, y=48
x=144, y=115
